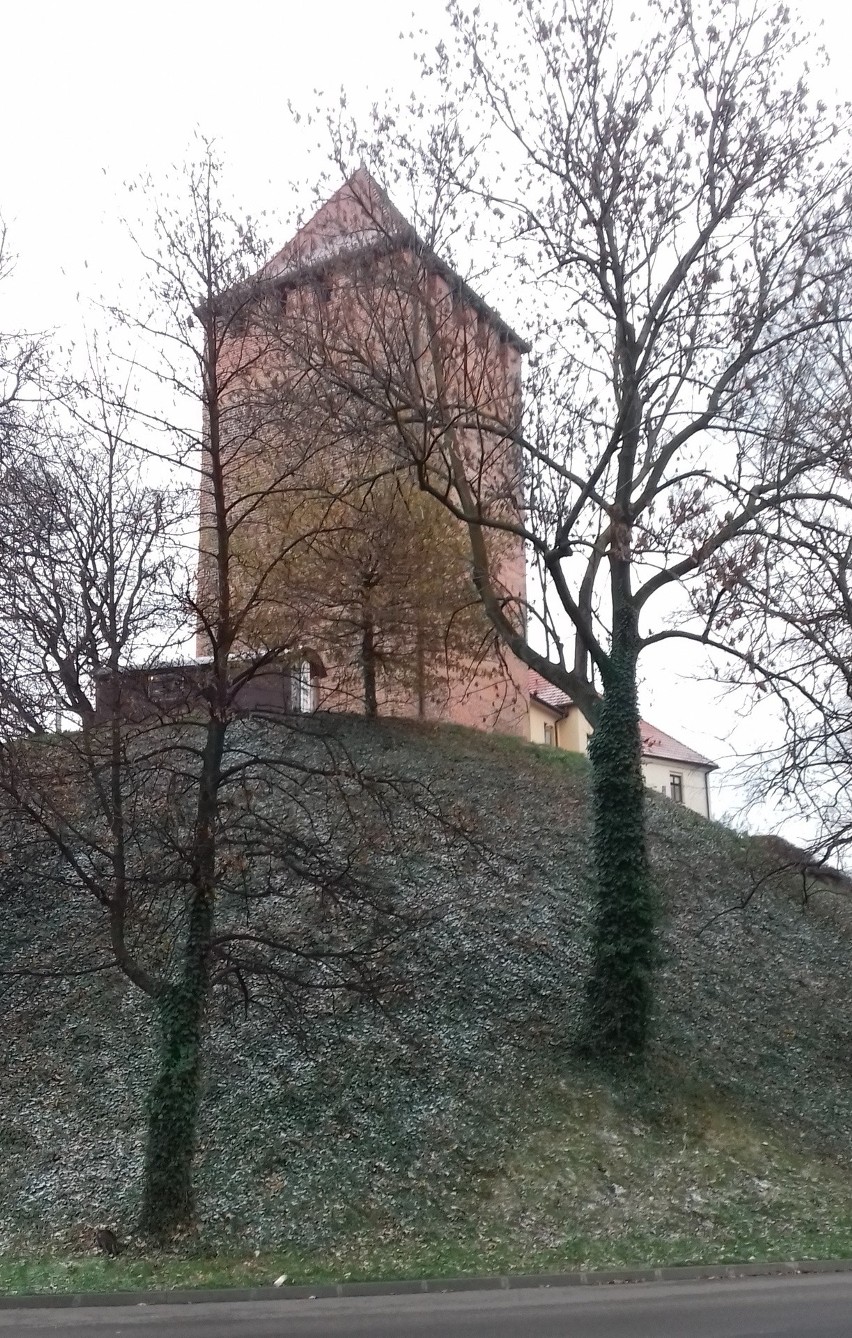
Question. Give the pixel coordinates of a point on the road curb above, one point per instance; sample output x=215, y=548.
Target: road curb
x=409, y=1287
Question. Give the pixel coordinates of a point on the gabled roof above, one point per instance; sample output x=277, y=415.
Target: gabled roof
x=547, y=694
x=655, y=742
x=360, y=219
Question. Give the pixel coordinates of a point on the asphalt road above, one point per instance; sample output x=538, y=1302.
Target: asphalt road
x=806, y=1307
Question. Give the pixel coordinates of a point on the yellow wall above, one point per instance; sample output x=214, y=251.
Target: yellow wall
x=575, y=731
x=572, y=732
x=539, y=717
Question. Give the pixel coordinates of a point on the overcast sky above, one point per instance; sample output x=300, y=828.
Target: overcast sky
x=94, y=94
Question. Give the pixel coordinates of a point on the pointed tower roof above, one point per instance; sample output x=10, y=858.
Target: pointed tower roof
x=359, y=219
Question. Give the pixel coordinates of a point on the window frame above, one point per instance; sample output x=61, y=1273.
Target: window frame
x=302, y=700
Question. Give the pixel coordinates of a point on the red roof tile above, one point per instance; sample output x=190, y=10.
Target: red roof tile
x=546, y=693
x=656, y=743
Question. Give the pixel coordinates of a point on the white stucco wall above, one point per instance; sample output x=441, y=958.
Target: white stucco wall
x=658, y=772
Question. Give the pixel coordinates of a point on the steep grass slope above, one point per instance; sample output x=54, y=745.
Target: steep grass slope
x=458, y=1129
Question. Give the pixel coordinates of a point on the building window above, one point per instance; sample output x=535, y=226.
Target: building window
x=549, y=734
x=302, y=687
x=323, y=289
x=166, y=689
x=676, y=786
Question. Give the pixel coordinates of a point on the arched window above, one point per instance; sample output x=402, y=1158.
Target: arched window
x=302, y=692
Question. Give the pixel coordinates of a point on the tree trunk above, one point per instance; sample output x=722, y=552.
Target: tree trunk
x=620, y=989
x=420, y=652
x=168, y=1200
x=368, y=663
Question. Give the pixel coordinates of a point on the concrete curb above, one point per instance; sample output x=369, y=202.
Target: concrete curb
x=506, y=1282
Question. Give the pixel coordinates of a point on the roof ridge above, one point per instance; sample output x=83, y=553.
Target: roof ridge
x=326, y=237
x=555, y=699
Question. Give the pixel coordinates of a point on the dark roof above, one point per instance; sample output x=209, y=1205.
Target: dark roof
x=655, y=742
x=199, y=663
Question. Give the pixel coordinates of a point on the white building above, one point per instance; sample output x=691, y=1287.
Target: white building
x=669, y=767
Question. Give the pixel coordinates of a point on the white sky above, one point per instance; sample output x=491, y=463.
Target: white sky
x=93, y=94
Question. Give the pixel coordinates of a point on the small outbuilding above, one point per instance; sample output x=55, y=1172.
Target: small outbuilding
x=669, y=767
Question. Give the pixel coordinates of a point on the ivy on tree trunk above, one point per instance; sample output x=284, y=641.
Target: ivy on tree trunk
x=620, y=988
x=168, y=1199
x=168, y=1202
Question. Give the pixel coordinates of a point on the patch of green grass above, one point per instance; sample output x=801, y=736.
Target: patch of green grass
x=572, y=764
x=670, y=1175
x=655, y=1172
x=514, y=749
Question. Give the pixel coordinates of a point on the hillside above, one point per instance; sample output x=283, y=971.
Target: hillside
x=458, y=1129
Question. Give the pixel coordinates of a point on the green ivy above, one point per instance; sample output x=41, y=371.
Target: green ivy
x=620, y=989
x=168, y=1199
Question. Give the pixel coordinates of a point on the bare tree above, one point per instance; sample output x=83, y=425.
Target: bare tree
x=784, y=594
x=21, y=360
x=87, y=564
x=669, y=206
x=221, y=850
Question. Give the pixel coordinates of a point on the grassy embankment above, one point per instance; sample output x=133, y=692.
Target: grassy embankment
x=462, y=1134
